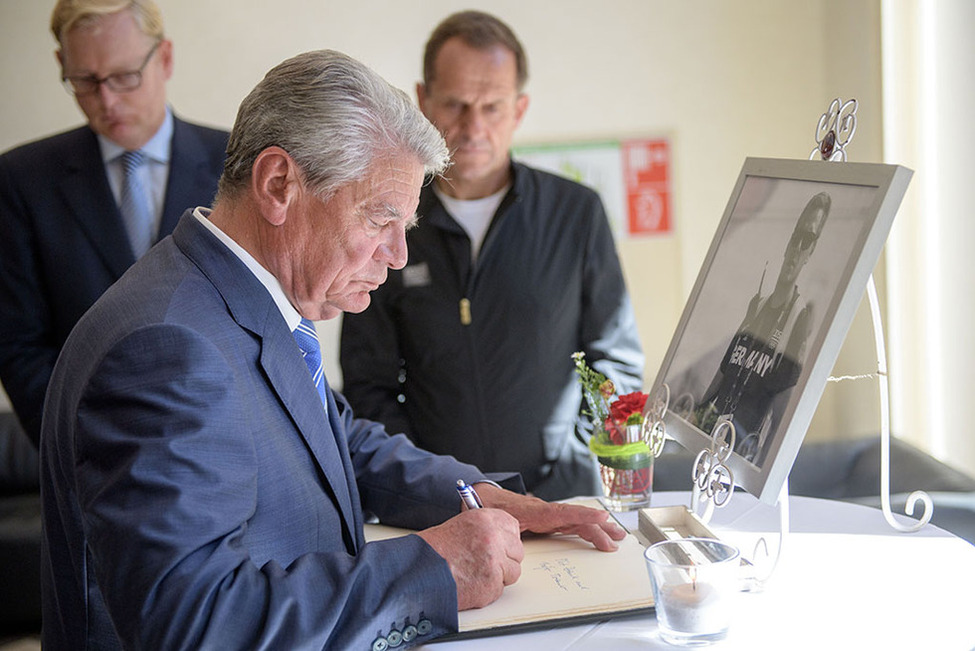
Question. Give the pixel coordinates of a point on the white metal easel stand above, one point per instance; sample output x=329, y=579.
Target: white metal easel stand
x=917, y=495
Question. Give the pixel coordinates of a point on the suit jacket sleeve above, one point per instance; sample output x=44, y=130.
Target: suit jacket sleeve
x=406, y=486
x=27, y=349
x=166, y=503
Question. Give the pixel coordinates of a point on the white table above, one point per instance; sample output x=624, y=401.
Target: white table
x=845, y=580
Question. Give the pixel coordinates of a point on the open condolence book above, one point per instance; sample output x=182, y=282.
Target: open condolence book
x=564, y=579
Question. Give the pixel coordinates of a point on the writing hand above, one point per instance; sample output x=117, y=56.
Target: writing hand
x=483, y=550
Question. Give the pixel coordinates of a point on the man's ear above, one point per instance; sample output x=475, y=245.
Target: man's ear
x=521, y=106
x=274, y=183
x=166, y=58
x=421, y=96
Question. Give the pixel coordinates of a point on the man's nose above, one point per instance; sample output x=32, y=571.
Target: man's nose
x=106, y=95
x=393, y=251
x=472, y=121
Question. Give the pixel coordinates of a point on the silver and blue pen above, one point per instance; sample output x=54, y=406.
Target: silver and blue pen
x=468, y=494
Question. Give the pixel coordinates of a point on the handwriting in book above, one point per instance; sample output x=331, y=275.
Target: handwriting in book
x=563, y=574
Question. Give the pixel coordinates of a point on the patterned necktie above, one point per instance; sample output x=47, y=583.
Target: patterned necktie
x=311, y=351
x=135, y=206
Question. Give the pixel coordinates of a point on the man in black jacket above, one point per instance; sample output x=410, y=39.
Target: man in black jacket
x=511, y=270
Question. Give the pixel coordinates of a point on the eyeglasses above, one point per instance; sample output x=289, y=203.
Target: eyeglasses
x=117, y=82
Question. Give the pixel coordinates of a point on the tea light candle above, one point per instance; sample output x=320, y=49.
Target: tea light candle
x=692, y=608
x=694, y=583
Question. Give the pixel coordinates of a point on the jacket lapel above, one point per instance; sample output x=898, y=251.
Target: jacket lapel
x=92, y=205
x=189, y=176
x=253, y=309
x=289, y=377
x=336, y=423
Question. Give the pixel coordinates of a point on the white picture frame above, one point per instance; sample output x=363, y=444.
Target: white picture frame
x=758, y=338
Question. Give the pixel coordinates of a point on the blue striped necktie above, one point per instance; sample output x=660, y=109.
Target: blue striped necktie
x=311, y=351
x=135, y=206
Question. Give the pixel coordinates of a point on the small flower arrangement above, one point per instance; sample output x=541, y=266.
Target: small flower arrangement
x=625, y=459
x=612, y=417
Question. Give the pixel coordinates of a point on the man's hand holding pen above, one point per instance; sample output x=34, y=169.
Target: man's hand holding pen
x=483, y=548
x=484, y=551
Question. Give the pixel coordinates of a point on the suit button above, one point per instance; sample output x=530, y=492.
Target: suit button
x=409, y=633
x=380, y=644
x=424, y=626
x=395, y=638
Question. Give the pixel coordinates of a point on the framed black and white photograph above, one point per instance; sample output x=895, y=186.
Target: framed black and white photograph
x=771, y=306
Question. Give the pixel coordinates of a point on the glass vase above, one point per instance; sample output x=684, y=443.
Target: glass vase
x=627, y=479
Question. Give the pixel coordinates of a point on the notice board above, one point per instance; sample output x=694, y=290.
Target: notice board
x=632, y=176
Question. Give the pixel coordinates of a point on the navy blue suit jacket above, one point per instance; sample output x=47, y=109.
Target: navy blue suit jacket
x=63, y=243
x=196, y=494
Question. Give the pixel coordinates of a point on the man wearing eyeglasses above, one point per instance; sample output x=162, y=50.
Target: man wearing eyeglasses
x=78, y=208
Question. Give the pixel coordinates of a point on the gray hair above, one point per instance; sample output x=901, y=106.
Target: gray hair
x=332, y=115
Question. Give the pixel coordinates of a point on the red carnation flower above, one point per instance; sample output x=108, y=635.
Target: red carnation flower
x=620, y=411
x=627, y=405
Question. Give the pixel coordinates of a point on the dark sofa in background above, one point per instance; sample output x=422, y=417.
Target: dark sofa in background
x=20, y=531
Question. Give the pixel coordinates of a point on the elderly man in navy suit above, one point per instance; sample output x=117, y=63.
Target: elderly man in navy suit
x=70, y=222
x=203, y=486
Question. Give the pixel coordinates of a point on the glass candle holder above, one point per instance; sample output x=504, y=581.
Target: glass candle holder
x=695, y=582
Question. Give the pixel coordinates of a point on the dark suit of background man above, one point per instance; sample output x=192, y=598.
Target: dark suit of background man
x=511, y=270
x=203, y=488
x=62, y=237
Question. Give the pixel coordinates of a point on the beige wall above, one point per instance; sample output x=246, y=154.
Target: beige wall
x=723, y=80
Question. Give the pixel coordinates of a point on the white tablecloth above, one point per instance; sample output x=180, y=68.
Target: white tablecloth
x=845, y=580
